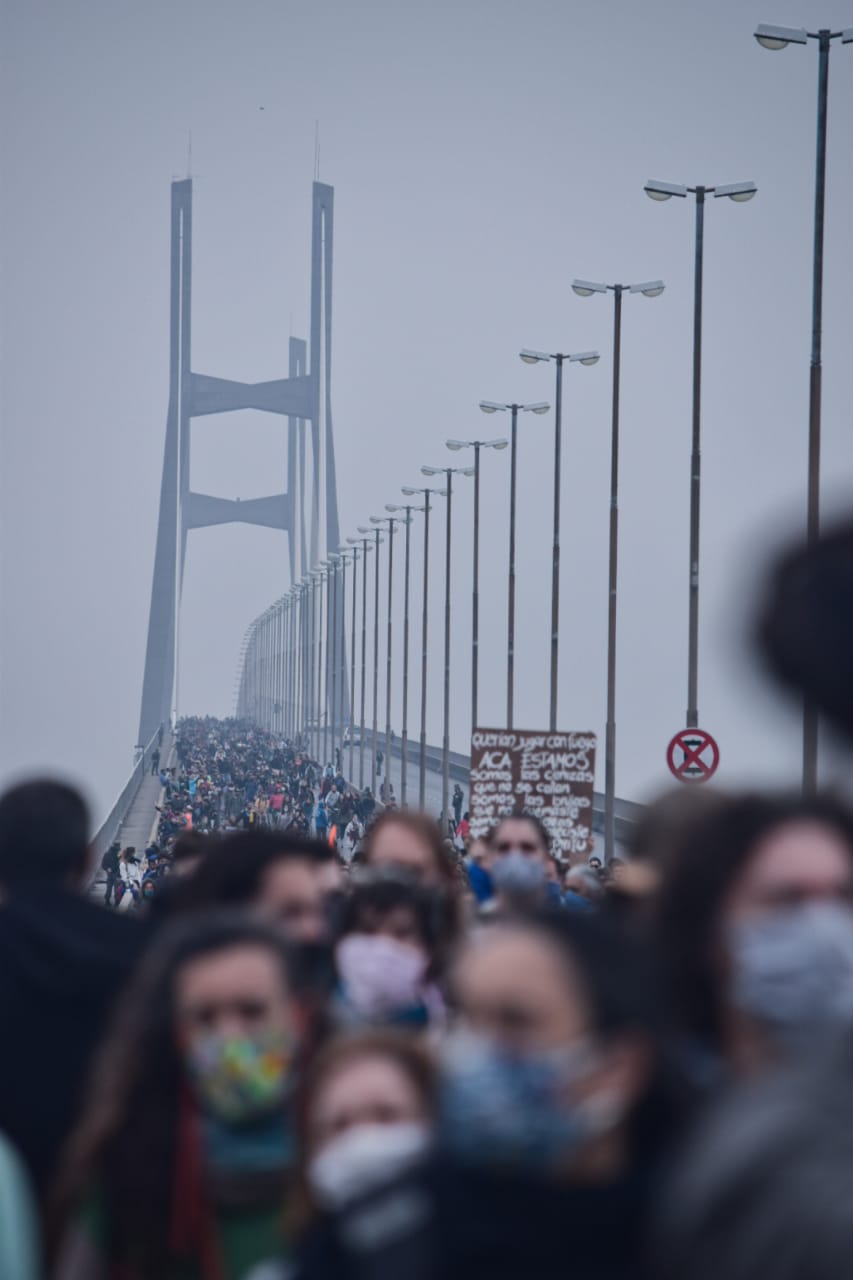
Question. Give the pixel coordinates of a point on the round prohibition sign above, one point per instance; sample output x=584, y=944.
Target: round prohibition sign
x=693, y=755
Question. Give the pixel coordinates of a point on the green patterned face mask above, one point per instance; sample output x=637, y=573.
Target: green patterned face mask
x=240, y=1079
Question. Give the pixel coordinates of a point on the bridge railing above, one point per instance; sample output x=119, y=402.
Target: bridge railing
x=111, y=826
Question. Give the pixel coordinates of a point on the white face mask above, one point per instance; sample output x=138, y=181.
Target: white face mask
x=365, y=1157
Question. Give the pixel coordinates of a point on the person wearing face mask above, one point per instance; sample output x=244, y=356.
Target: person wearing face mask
x=393, y=936
x=755, y=927
x=521, y=864
x=550, y=1125
x=366, y=1117
x=179, y=1165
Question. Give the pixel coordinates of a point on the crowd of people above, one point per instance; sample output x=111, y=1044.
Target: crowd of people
x=414, y=1059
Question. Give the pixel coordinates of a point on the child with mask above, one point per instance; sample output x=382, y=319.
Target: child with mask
x=366, y=1116
x=179, y=1166
x=392, y=940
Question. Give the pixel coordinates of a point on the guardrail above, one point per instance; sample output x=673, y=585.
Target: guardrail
x=111, y=826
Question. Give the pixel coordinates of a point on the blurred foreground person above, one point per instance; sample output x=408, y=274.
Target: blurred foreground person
x=367, y=1116
x=179, y=1165
x=63, y=961
x=19, y=1249
x=806, y=624
x=755, y=924
x=549, y=1126
x=411, y=842
x=762, y=1188
x=285, y=879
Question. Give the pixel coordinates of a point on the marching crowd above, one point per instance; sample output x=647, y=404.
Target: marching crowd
x=425, y=1058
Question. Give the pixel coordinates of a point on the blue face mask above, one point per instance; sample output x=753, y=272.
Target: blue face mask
x=516, y=873
x=511, y=1111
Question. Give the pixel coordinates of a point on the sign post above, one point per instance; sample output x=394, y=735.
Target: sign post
x=693, y=755
x=551, y=775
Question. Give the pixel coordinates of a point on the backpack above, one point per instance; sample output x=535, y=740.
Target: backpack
x=109, y=862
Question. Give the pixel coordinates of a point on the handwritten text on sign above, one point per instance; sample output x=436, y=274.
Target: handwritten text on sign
x=549, y=774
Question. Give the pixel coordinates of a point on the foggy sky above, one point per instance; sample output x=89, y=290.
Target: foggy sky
x=483, y=153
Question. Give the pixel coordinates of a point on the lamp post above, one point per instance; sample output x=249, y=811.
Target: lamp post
x=404, y=732
x=365, y=545
x=375, y=532
x=492, y=406
x=333, y=561
x=584, y=358
x=476, y=445
x=771, y=37
x=585, y=289
x=409, y=492
x=354, y=552
x=392, y=522
x=449, y=472
x=739, y=192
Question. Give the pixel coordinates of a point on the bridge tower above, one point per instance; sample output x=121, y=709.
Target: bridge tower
x=303, y=398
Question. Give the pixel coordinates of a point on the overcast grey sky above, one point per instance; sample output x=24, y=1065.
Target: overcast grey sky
x=483, y=153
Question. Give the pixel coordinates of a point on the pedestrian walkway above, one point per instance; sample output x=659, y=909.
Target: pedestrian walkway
x=138, y=827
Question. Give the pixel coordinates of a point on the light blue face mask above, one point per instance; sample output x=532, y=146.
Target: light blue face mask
x=792, y=971
x=517, y=873
x=511, y=1111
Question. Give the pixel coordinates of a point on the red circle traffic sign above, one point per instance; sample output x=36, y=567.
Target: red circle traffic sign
x=693, y=755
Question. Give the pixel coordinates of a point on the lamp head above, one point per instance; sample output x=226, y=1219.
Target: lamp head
x=539, y=408
x=409, y=492
x=431, y=471
x=586, y=288
x=491, y=406
x=664, y=190
x=649, y=288
x=456, y=445
x=496, y=444
x=585, y=357
x=740, y=192
x=532, y=357
x=775, y=38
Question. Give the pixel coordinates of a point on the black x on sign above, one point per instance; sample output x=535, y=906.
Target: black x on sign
x=693, y=755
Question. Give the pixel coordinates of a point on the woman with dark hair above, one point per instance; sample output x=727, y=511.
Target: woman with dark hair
x=755, y=929
x=179, y=1165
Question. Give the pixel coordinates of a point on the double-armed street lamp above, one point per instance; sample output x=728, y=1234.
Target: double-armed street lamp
x=492, y=406
x=586, y=289
x=449, y=473
x=775, y=38
x=559, y=358
x=392, y=522
x=739, y=192
x=366, y=548
x=411, y=493
x=476, y=445
x=376, y=532
x=404, y=731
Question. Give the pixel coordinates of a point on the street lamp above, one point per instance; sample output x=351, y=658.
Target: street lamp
x=365, y=529
x=586, y=289
x=352, y=551
x=410, y=493
x=449, y=473
x=772, y=37
x=584, y=358
x=492, y=406
x=404, y=736
x=333, y=562
x=366, y=547
x=476, y=445
x=738, y=192
x=391, y=521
